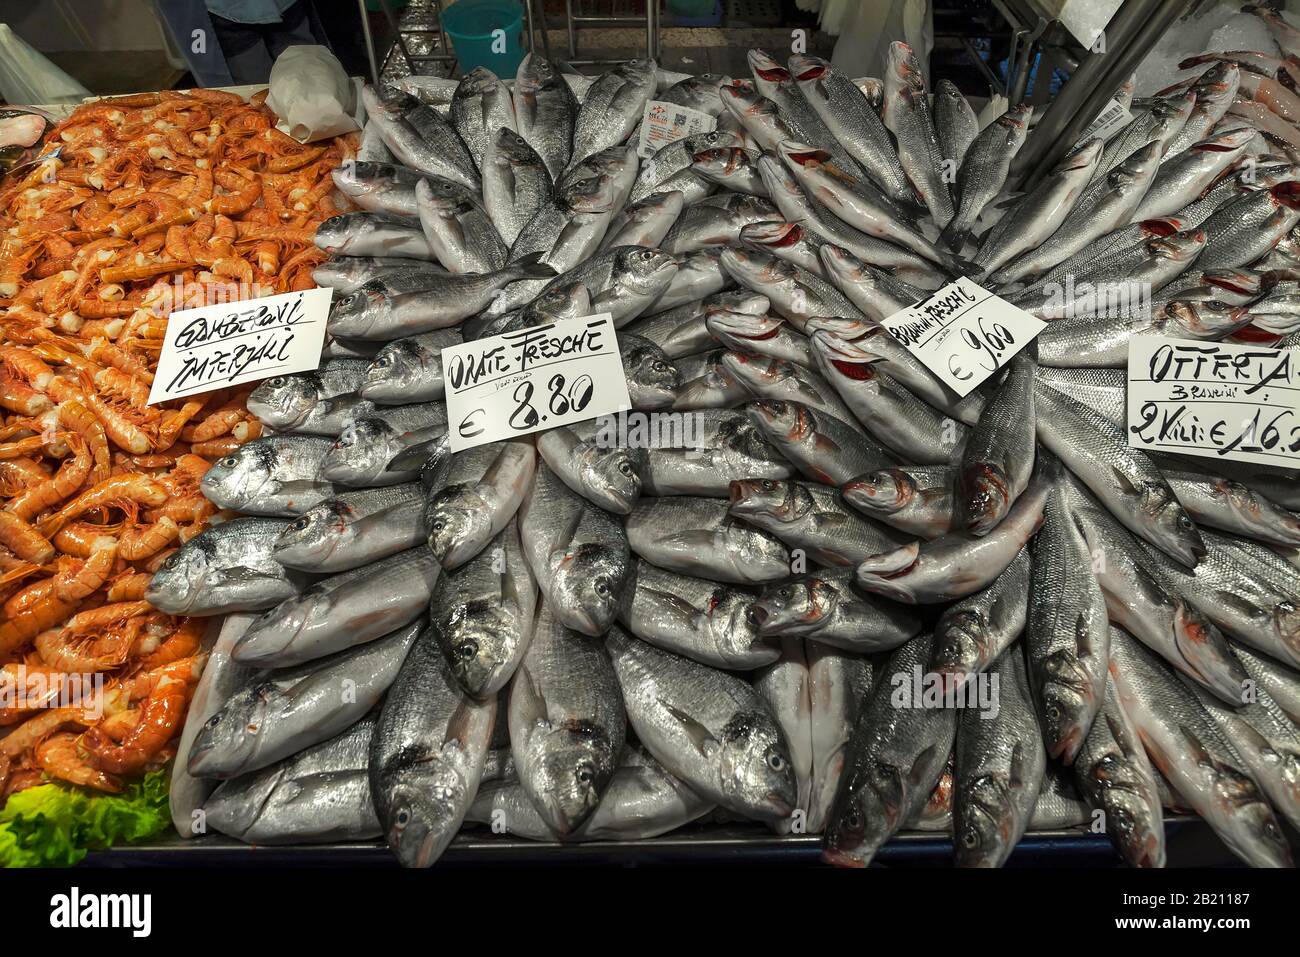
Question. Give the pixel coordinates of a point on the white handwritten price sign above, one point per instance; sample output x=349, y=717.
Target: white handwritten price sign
x=534, y=379
x=663, y=123
x=221, y=345
x=1214, y=399
x=963, y=333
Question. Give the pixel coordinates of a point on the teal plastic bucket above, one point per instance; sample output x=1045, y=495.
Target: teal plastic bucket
x=472, y=24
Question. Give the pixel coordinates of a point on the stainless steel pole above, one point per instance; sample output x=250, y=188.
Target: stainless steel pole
x=1081, y=85
x=370, y=42
x=1121, y=66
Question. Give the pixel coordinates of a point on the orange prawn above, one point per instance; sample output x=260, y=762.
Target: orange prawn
x=160, y=718
x=58, y=757
x=130, y=487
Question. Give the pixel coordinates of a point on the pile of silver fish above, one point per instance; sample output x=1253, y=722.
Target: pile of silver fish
x=801, y=582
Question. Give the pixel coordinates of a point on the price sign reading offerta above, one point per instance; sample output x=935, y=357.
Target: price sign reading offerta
x=663, y=123
x=221, y=345
x=534, y=379
x=1215, y=400
x=963, y=333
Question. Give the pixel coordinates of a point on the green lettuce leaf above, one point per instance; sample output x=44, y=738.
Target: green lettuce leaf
x=54, y=825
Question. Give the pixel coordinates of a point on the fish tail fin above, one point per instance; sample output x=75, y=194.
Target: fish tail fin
x=533, y=267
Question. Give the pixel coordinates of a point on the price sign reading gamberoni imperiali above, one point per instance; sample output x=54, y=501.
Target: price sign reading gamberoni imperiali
x=224, y=344
x=533, y=379
x=1214, y=399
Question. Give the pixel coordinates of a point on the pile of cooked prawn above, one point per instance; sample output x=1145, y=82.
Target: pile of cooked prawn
x=140, y=206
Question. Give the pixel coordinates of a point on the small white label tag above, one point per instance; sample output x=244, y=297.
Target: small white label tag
x=221, y=345
x=1113, y=118
x=663, y=123
x=534, y=379
x=1214, y=399
x=963, y=333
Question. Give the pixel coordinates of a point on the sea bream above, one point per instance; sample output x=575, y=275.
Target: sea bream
x=707, y=621
x=278, y=713
x=319, y=795
x=567, y=722
x=427, y=755
x=578, y=553
x=481, y=615
x=353, y=528
x=480, y=106
x=483, y=489
x=545, y=111
x=228, y=567
x=341, y=611
x=276, y=476
x=707, y=727
x=516, y=183
x=409, y=369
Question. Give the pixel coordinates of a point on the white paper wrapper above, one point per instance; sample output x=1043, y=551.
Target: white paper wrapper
x=311, y=94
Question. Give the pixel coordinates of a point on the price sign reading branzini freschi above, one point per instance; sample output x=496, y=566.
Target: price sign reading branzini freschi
x=221, y=345
x=1214, y=399
x=963, y=333
x=534, y=379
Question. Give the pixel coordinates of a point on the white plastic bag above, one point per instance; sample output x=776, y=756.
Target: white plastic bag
x=311, y=94
x=28, y=78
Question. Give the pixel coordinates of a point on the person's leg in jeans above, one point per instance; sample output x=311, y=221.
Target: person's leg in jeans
x=244, y=46
x=294, y=29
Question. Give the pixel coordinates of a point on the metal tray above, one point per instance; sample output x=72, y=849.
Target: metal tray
x=1190, y=843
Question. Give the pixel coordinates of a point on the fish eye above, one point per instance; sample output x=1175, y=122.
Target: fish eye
x=403, y=818
x=969, y=838
x=659, y=366
x=213, y=721
x=276, y=381
x=302, y=523
x=853, y=820
x=775, y=762
x=439, y=525
x=767, y=485
x=467, y=650
x=584, y=774
x=229, y=462
x=1218, y=305
x=1185, y=523
x=602, y=588
x=625, y=467
x=786, y=592
x=1053, y=713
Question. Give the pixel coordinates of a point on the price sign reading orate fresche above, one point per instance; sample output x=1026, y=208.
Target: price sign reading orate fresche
x=963, y=333
x=534, y=379
x=1214, y=399
x=216, y=346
